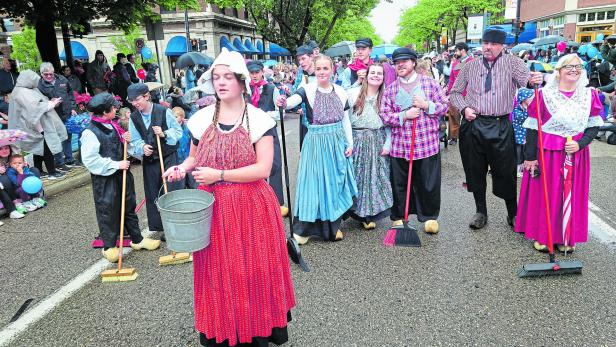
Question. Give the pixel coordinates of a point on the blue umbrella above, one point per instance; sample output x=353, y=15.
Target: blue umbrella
x=522, y=47
x=270, y=63
x=384, y=49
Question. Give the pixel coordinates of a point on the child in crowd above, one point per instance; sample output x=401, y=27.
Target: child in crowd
x=17, y=173
x=184, y=146
x=518, y=116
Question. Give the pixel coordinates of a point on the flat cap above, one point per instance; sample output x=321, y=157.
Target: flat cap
x=301, y=50
x=403, y=53
x=136, y=89
x=101, y=102
x=363, y=42
x=312, y=44
x=254, y=65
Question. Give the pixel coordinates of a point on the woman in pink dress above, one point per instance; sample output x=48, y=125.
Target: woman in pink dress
x=568, y=109
x=242, y=282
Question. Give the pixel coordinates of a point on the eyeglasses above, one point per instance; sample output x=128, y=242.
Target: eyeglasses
x=47, y=74
x=571, y=67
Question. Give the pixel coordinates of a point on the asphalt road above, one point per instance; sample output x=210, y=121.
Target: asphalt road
x=460, y=288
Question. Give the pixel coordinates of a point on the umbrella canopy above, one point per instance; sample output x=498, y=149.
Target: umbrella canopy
x=521, y=47
x=572, y=44
x=270, y=63
x=341, y=49
x=384, y=49
x=8, y=137
x=79, y=51
x=549, y=40
x=540, y=66
x=192, y=59
x=154, y=85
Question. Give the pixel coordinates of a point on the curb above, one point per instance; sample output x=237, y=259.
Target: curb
x=62, y=185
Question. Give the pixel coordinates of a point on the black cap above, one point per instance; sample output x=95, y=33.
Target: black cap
x=101, y=102
x=301, y=50
x=254, y=66
x=312, y=44
x=364, y=42
x=494, y=36
x=461, y=45
x=134, y=90
x=403, y=54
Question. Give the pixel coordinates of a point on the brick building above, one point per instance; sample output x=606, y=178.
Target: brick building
x=579, y=20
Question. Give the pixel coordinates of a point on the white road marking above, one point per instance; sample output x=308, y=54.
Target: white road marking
x=597, y=226
x=33, y=315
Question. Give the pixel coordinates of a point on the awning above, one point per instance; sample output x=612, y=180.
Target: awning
x=176, y=46
x=224, y=42
x=79, y=51
x=250, y=47
x=277, y=51
x=260, y=47
x=239, y=46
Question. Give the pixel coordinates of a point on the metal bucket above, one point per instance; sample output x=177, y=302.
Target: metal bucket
x=187, y=216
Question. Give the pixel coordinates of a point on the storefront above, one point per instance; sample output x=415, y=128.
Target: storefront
x=591, y=24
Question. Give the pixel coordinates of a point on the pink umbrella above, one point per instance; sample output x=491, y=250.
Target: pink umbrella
x=567, y=187
x=11, y=136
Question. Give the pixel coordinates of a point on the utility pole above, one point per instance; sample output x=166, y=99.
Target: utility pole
x=187, y=30
x=517, y=21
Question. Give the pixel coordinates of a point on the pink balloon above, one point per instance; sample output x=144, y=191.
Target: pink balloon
x=561, y=46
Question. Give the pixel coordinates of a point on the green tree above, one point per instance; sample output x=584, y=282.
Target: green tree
x=25, y=50
x=126, y=44
x=352, y=28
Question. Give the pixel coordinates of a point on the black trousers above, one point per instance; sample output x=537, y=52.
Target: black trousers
x=489, y=141
x=275, y=178
x=7, y=193
x=107, y=192
x=425, y=198
x=152, y=185
x=47, y=157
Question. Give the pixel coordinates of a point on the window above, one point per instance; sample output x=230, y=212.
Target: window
x=559, y=21
x=600, y=15
x=610, y=15
x=585, y=38
x=582, y=17
x=591, y=17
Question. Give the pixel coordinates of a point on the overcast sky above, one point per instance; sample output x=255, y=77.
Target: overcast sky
x=386, y=16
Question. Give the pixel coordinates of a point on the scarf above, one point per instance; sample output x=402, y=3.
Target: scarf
x=357, y=65
x=118, y=129
x=488, y=82
x=256, y=92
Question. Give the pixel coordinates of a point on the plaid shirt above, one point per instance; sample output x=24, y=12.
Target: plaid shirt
x=426, y=136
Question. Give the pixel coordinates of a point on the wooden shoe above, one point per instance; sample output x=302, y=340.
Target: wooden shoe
x=431, y=227
x=397, y=223
x=339, y=235
x=301, y=240
x=146, y=243
x=112, y=254
x=540, y=247
x=369, y=226
x=566, y=249
x=284, y=211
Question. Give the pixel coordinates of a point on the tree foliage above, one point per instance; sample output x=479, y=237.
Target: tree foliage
x=25, y=50
x=423, y=23
x=126, y=44
x=352, y=28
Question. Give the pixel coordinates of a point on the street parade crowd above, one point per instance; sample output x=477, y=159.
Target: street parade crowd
x=365, y=126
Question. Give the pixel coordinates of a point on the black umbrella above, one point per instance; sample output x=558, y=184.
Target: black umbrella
x=549, y=40
x=193, y=59
x=572, y=44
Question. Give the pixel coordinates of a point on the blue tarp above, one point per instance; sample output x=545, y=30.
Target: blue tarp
x=176, y=46
x=260, y=47
x=277, y=51
x=79, y=51
x=224, y=42
x=250, y=47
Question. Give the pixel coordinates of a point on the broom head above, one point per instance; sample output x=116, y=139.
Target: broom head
x=175, y=259
x=551, y=269
x=402, y=235
x=122, y=275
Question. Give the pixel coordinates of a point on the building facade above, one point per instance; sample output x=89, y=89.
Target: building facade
x=578, y=20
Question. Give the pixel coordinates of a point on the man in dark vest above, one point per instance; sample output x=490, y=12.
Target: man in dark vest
x=263, y=96
x=146, y=122
x=355, y=73
x=103, y=155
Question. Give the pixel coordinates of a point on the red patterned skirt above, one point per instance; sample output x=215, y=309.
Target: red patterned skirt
x=242, y=280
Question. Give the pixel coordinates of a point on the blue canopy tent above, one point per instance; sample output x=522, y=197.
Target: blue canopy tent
x=176, y=46
x=260, y=48
x=277, y=51
x=529, y=33
x=79, y=52
x=384, y=49
x=224, y=42
x=250, y=47
x=240, y=47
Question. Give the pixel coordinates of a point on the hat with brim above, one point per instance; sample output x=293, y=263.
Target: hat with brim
x=363, y=42
x=494, y=36
x=234, y=61
x=135, y=90
x=254, y=66
x=101, y=102
x=302, y=50
x=403, y=53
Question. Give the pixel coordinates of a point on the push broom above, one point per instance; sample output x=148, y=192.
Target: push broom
x=405, y=235
x=121, y=274
x=174, y=258
x=552, y=267
x=295, y=252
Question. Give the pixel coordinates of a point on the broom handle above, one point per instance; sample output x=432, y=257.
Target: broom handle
x=410, y=174
x=162, y=164
x=544, y=176
x=122, y=209
x=286, y=168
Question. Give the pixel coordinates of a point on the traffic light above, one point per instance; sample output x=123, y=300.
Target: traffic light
x=203, y=44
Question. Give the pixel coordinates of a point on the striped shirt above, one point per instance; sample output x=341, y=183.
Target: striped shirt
x=508, y=74
x=426, y=135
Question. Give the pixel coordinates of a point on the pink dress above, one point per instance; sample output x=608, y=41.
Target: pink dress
x=531, y=219
x=242, y=280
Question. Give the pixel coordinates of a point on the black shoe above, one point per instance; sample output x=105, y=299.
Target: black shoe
x=63, y=168
x=44, y=174
x=511, y=221
x=163, y=238
x=453, y=142
x=478, y=221
x=56, y=175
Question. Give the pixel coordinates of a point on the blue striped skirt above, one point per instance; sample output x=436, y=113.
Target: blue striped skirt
x=325, y=180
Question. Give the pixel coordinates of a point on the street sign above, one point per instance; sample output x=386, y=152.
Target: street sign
x=139, y=44
x=154, y=29
x=511, y=9
x=474, y=31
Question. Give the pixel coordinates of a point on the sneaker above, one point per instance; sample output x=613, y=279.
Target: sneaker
x=1, y=223
x=16, y=215
x=44, y=174
x=70, y=164
x=146, y=243
x=19, y=208
x=38, y=202
x=55, y=176
x=29, y=206
x=63, y=168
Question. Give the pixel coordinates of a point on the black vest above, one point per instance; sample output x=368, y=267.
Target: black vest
x=266, y=102
x=110, y=147
x=158, y=118
x=353, y=76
